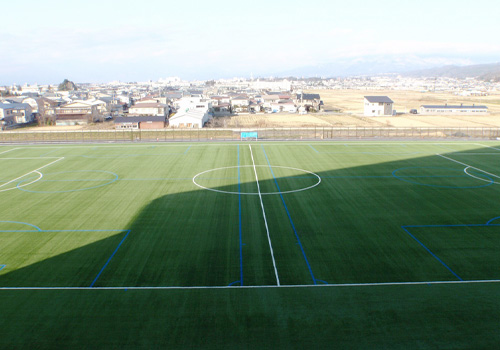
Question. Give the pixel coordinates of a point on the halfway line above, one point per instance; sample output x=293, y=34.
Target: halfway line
x=265, y=220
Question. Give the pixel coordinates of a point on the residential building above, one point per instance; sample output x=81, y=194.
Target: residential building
x=189, y=103
x=283, y=106
x=15, y=113
x=378, y=106
x=240, y=103
x=75, y=113
x=149, y=109
x=311, y=102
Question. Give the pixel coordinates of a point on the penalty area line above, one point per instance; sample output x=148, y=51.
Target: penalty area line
x=467, y=165
x=9, y=150
x=340, y=285
x=33, y=171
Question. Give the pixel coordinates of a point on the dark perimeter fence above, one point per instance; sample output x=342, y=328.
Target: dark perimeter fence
x=267, y=134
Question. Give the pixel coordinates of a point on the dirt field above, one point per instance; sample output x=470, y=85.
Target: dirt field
x=350, y=102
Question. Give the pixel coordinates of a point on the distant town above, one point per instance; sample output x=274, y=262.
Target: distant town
x=175, y=103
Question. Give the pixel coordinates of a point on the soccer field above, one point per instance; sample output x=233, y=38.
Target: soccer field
x=293, y=245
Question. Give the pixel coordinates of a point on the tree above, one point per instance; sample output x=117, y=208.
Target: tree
x=67, y=85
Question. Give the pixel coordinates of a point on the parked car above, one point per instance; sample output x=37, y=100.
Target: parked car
x=413, y=111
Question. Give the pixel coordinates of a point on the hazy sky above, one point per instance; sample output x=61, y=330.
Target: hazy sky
x=98, y=41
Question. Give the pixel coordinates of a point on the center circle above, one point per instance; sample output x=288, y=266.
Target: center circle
x=257, y=193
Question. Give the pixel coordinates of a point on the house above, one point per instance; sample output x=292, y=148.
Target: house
x=267, y=100
x=453, y=110
x=148, y=100
x=77, y=113
x=378, y=106
x=149, y=109
x=311, y=102
x=189, y=103
x=25, y=99
x=46, y=106
x=240, y=103
x=192, y=112
x=218, y=100
x=46, y=110
x=222, y=110
x=149, y=122
x=254, y=106
x=284, y=106
x=194, y=118
x=15, y=114
x=172, y=96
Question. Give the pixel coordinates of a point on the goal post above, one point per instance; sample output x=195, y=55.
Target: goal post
x=249, y=135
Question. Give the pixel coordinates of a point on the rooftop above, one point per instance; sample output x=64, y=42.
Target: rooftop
x=379, y=99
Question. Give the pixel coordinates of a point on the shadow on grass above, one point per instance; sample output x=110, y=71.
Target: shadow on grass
x=350, y=230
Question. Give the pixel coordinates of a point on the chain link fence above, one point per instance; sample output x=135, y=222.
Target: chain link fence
x=265, y=134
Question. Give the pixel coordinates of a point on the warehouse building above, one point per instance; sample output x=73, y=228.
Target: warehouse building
x=453, y=110
x=149, y=122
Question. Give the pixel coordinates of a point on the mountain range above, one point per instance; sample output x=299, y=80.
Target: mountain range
x=406, y=65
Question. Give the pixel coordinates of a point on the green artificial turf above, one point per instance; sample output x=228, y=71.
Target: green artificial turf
x=337, y=245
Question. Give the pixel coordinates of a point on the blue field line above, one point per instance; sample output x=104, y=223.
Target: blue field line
x=74, y=180
x=186, y=151
x=490, y=221
x=47, y=153
x=314, y=149
x=218, y=178
x=130, y=155
x=151, y=179
x=2, y=267
x=160, y=179
x=42, y=231
x=38, y=229
x=431, y=253
x=375, y=153
x=384, y=176
x=289, y=217
x=83, y=230
x=457, y=225
x=111, y=257
x=240, y=224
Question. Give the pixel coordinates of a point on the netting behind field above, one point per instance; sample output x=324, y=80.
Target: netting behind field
x=212, y=134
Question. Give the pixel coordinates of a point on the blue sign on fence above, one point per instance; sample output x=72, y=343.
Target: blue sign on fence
x=249, y=134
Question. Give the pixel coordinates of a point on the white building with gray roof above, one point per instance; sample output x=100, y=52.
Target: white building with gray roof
x=378, y=106
x=453, y=109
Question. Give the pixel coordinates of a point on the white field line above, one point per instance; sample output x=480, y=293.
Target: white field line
x=479, y=144
x=46, y=165
x=265, y=220
x=467, y=165
x=29, y=158
x=346, y=285
x=29, y=183
x=10, y=150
